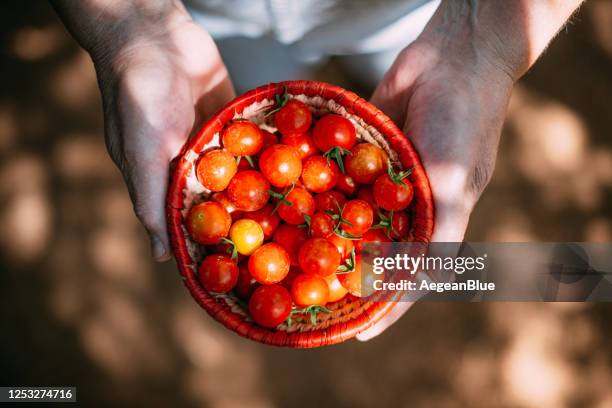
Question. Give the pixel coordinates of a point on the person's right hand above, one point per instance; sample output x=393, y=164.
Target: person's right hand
x=156, y=87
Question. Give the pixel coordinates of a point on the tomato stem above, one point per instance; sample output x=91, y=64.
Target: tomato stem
x=386, y=222
x=282, y=198
x=281, y=100
x=335, y=153
x=349, y=264
x=398, y=177
x=232, y=248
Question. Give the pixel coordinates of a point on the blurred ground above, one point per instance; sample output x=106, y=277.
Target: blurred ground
x=81, y=303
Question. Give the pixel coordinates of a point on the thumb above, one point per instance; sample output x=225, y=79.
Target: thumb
x=147, y=183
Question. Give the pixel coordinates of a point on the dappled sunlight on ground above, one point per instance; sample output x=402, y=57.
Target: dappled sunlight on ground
x=83, y=304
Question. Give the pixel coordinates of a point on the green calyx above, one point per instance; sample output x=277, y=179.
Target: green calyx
x=336, y=153
x=231, y=249
x=398, y=178
x=386, y=222
x=282, y=198
x=281, y=100
x=349, y=264
x=312, y=310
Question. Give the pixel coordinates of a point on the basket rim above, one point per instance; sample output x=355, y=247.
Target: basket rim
x=335, y=333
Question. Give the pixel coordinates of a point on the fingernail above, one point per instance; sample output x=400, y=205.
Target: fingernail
x=159, y=250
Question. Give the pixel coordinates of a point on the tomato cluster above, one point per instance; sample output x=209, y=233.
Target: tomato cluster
x=284, y=226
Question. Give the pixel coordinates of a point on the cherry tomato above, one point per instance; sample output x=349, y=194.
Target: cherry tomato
x=330, y=201
x=371, y=235
x=242, y=138
x=303, y=143
x=400, y=225
x=218, y=273
x=248, y=190
x=334, y=131
x=269, y=139
x=343, y=245
x=291, y=238
x=353, y=280
x=208, y=222
x=266, y=218
x=392, y=195
x=321, y=225
x=309, y=290
x=319, y=256
x=221, y=198
x=215, y=169
x=346, y=184
x=246, y=284
x=247, y=236
x=302, y=204
x=358, y=215
x=269, y=263
x=281, y=165
x=270, y=305
x=319, y=174
x=366, y=162
x=293, y=118
x=336, y=290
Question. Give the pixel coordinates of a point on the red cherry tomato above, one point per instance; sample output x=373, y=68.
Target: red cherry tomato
x=356, y=282
x=303, y=143
x=281, y=165
x=334, y=131
x=248, y=190
x=268, y=220
x=293, y=118
x=366, y=162
x=359, y=216
x=321, y=225
x=270, y=305
x=330, y=201
x=346, y=184
x=319, y=256
x=208, y=222
x=291, y=238
x=319, y=174
x=218, y=273
x=269, y=263
x=343, y=245
x=309, y=290
x=371, y=235
x=246, y=284
x=400, y=225
x=269, y=139
x=242, y=138
x=392, y=195
x=336, y=290
x=215, y=169
x=302, y=204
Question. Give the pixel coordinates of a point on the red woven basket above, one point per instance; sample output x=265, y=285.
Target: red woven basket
x=349, y=316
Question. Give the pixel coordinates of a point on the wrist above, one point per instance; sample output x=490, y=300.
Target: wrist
x=470, y=36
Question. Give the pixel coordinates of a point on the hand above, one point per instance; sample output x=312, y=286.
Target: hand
x=156, y=89
x=452, y=108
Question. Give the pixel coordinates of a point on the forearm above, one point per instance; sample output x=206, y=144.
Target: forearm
x=509, y=34
x=104, y=27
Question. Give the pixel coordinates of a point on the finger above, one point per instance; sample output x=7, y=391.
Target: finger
x=384, y=323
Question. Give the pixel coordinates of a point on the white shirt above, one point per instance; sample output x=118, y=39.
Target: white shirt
x=318, y=27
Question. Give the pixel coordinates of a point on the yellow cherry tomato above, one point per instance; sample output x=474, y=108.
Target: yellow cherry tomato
x=246, y=235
